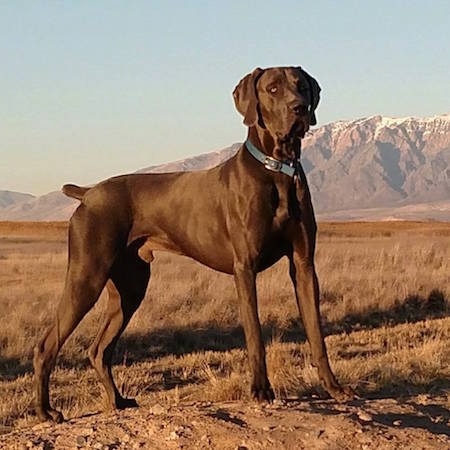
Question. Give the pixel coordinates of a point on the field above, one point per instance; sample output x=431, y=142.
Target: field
x=385, y=290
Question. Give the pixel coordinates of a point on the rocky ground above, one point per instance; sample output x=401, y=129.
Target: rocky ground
x=421, y=422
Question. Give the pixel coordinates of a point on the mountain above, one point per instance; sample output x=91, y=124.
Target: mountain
x=8, y=198
x=205, y=161
x=375, y=168
x=379, y=162
x=56, y=206
x=51, y=206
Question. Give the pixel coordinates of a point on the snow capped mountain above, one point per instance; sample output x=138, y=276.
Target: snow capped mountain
x=375, y=168
x=378, y=162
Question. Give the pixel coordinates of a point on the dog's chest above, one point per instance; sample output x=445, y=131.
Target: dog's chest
x=285, y=203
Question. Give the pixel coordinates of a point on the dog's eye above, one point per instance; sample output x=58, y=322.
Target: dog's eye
x=273, y=89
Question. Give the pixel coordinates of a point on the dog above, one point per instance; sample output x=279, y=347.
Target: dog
x=238, y=218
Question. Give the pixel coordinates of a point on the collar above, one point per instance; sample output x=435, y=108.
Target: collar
x=275, y=165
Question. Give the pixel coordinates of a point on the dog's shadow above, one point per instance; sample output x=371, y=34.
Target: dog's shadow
x=179, y=341
x=431, y=417
x=413, y=308
x=134, y=347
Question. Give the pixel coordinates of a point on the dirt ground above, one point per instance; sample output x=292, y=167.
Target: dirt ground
x=421, y=422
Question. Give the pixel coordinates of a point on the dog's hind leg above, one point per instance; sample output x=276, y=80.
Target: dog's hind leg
x=90, y=261
x=69, y=314
x=126, y=289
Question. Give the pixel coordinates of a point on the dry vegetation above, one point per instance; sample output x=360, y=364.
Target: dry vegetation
x=385, y=306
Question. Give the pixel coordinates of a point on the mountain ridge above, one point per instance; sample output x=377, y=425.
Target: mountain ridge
x=355, y=169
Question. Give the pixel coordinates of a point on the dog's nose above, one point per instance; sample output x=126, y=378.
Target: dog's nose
x=300, y=109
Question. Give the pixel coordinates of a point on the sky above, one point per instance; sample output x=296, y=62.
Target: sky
x=92, y=89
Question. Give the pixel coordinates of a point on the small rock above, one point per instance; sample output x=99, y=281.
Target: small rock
x=422, y=399
x=364, y=416
x=173, y=436
x=157, y=410
x=397, y=423
x=81, y=441
x=88, y=431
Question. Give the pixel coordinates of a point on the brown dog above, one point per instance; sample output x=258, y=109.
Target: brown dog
x=239, y=218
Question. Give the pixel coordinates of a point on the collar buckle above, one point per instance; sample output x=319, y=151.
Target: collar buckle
x=273, y=164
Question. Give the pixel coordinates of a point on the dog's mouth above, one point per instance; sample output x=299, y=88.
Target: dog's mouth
x=298, y=129
x=285, y=147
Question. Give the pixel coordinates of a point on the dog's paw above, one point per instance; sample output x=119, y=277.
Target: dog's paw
x=342, y=394
x=50, y=415
x=263, y=394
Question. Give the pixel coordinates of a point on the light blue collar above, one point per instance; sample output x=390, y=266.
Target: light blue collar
x=275, y=165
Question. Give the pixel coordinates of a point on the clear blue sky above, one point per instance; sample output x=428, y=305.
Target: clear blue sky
x=90, y=89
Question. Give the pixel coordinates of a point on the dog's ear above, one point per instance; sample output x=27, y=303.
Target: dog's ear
x=314, y=92
x=245, y=97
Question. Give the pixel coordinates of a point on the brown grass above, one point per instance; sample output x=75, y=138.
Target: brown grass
x=385, y=304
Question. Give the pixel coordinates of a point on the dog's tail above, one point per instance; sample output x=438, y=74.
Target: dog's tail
x=74, y=191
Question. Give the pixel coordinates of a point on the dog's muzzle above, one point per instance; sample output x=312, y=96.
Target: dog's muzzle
x=298, y=130
x=285, y=148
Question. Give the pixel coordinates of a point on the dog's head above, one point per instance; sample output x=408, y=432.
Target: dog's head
x=281, y=100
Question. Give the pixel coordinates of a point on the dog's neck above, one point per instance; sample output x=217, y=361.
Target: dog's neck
x=263, y=142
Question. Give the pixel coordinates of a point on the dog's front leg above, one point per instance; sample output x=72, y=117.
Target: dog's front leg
x=245, y=279
x=304, y=278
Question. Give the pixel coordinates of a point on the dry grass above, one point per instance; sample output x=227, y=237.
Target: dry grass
x=385, y=304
